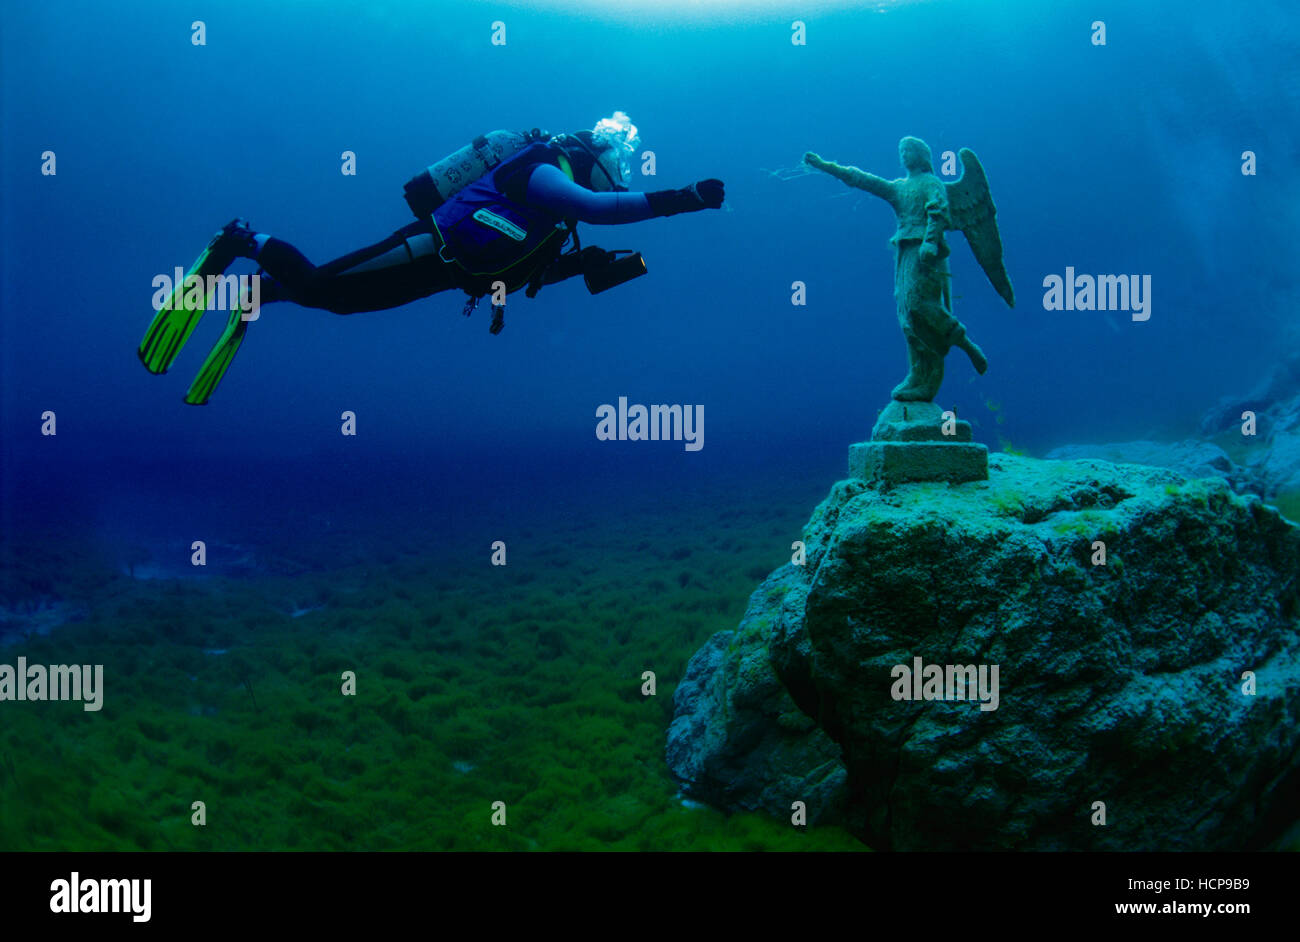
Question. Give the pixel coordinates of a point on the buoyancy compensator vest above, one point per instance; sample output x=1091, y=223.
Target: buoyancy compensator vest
x=481, y=223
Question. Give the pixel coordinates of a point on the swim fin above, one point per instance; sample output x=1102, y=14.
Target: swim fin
x=178, y=317
x=218, y=361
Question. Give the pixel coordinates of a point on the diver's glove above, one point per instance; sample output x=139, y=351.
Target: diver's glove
x=707, y=194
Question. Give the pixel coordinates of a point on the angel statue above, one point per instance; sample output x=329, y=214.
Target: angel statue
x=926, y=208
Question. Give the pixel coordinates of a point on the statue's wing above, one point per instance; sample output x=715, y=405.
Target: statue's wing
x=971, y=209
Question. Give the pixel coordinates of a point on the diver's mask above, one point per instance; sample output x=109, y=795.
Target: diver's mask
x=611, y=171
x=596, y=167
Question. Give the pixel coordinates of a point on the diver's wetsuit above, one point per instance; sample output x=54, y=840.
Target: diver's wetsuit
x=406, y=266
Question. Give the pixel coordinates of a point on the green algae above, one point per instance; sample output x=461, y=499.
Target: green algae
x=475, y=685
x=1288, y=504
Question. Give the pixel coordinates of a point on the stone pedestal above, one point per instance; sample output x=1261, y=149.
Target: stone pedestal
x=908, y=444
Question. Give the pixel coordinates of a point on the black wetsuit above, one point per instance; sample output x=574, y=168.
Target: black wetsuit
x=395, y=275
x=406, y=266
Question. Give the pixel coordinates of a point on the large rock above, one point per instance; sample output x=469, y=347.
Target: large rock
x=1266, y=462
x=1277, y=470
x=1271, y=456
x=1119, y=683
x=1279, y=388
x=1191, y=458
x=738, y=740
x=1268, y=465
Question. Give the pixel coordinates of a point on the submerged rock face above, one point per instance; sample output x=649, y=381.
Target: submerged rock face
x=1118, y=683
x=1266, y=461
x=738, y=740
x=1193, y=459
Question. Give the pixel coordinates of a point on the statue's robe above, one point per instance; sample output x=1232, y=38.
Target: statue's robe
x=922, y=290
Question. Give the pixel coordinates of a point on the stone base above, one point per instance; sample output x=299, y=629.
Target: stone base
x=888, y=463
x=917, y=422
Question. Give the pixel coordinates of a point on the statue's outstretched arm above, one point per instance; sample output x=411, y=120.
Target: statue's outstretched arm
x=860, y=179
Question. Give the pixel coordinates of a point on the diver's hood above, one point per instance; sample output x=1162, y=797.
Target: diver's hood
x=596, y=167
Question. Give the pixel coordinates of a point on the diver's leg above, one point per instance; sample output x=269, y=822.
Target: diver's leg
x=384, y=275
x=344, y=290
x=290, y=269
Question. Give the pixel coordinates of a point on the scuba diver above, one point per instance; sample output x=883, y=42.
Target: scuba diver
x=492, y=218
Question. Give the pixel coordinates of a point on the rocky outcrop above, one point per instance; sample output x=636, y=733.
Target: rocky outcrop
x=1121, y=682
x=738, y=738
x=1191, y=458
x=1278, y=390
x=1266, y=462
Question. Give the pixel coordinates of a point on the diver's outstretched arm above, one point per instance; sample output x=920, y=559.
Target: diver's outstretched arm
x=550, y=188
x=859, y=179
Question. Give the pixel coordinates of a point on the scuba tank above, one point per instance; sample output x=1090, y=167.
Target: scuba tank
x=468, y=231
x=437, y=183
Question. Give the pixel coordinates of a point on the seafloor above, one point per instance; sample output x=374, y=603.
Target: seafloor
x=476, y=684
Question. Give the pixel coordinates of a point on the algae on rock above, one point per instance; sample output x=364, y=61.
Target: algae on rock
x=1121, y=682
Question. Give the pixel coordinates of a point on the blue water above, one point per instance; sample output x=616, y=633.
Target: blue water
x=372, y=551
x=1116, y=159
